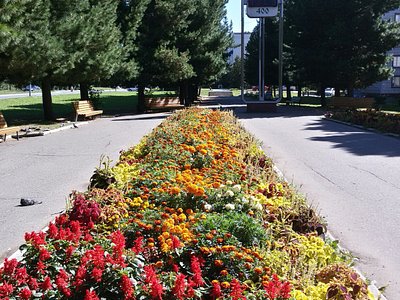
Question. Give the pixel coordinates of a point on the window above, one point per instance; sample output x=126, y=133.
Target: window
x=396, y=61
x=396, y=82
x=397, y=18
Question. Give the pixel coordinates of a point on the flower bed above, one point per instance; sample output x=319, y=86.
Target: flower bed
x=385, y=122
x=194, y=211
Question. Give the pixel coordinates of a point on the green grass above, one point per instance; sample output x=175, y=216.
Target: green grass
x=28, y=110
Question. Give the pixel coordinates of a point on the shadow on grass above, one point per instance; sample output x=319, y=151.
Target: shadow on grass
x=18, y=113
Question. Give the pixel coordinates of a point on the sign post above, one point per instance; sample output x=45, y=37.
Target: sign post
x=263, y=9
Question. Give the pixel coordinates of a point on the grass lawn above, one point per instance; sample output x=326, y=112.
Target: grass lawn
x=28, y=110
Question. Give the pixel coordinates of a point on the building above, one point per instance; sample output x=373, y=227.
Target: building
x=235, y=51
x=390, y=87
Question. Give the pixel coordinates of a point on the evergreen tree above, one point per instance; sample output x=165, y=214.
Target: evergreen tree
x=340, y=43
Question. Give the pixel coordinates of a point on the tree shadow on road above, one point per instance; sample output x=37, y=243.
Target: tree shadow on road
x=355, y=140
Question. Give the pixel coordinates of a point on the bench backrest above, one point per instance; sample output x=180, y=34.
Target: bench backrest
x=162, y=101
x=83, y=105
x=351, y=102
x=3, y=123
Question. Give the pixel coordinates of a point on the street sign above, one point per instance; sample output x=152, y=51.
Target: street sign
x=262, y=8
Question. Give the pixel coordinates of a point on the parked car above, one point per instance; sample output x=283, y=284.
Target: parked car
x=32, y=88
x=132, y=89
x=329, y=92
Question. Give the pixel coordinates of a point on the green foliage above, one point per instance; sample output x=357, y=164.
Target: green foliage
x=246, y=229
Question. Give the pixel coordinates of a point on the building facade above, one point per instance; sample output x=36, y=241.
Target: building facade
x=390, y=87
x=235, y=51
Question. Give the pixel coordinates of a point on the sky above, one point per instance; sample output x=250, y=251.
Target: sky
x=233, y=14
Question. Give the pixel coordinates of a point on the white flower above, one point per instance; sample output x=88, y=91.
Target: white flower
x=237, y=188
x=229, y=182
x=258, y=206
x=218, y=196
x=208, y=207
x=245, y=201
x=230, y=206
x=229, y=193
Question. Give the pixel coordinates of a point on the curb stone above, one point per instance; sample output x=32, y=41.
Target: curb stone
x=394, y=135
x=371, y=287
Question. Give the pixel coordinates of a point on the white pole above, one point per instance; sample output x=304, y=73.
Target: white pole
x=281, y=52
x=242, y=51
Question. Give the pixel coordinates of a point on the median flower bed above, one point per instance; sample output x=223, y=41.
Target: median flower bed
x=385, y=122
x=194, y=211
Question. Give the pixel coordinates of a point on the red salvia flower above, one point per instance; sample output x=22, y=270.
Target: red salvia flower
x=25, y=294
x=237, y=290
x=10, y=266
x=196, y=269
x=155, y=285
x=5, y=290
x=46, y=284
x=53, y=231
x=127, y=287
x=97, y=274
x=179, y=288
x=216, y=290
x=44, y=254
x=176, y=243
x=138, y=245
x=91, y=295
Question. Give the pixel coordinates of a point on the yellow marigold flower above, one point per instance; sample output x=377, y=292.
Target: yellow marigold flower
x=225, y=285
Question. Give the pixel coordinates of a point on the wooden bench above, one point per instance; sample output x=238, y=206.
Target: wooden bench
x=162, y=103
x=350, y=103
x=85, y=108
x=4, y=129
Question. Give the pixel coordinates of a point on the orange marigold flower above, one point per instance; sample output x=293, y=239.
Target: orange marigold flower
x=258, y=270
x=175, y=190
x=224, y=272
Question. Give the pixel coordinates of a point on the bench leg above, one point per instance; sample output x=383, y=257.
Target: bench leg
x=76, y=118
x=17, y=136
x=4, y=137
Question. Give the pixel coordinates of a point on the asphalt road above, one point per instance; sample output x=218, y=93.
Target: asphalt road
x=350, y=175
x=48, y=168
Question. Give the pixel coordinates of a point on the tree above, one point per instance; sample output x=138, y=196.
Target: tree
x=92, y=42
x=340, y=43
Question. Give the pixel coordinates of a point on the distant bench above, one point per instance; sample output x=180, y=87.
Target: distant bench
x=350, y=103
x=162, y=103
x=4, y=129
x=86, y=109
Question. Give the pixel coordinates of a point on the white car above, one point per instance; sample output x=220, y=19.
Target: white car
x=329, y=92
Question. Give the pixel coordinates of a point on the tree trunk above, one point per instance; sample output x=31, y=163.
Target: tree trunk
x=140, y=105
x=47, y=100
x=350, y=91
x=299, y=91
x=337, y=91
x=323, y=98
x=182, y=92
x=84, y=90
x=288, y=92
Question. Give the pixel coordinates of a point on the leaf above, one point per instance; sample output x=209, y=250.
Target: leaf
x=332, y=292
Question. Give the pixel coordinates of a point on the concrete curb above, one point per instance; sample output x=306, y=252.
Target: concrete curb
x=372, y=287
x=69, y=126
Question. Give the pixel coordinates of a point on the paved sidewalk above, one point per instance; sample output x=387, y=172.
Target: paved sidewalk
x=48, y=168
